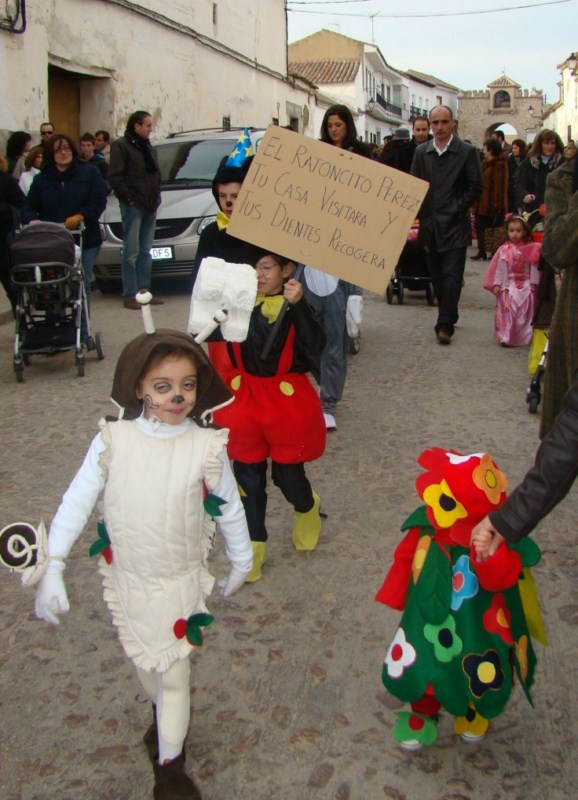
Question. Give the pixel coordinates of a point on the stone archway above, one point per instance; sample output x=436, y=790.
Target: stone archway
x=510, y=132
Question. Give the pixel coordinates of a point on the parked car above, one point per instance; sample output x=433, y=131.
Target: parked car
x=188, y=162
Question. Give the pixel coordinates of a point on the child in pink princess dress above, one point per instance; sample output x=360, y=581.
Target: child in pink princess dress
x=512, y=277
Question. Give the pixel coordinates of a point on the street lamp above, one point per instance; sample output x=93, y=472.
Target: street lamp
x=531, y=111
x=370, y=104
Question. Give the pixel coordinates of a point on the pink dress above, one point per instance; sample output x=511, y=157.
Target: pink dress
x=514, y=268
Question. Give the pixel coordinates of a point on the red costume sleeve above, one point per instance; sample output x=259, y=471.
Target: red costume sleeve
x=394, y=589
x=500, y=571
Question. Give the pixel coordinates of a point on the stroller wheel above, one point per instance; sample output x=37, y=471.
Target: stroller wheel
x=389, y=294
x=533, y=401
x=89, y=344
x=400, y=293
x=80, y=365
x=98, y=345
x=19, y=371
x=430, y=294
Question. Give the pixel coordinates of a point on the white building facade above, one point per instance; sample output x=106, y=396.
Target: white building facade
x=356, y=74
x=88, y=64
x=562, y=116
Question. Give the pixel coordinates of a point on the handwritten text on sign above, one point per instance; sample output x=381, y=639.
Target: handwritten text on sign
x=326, y=207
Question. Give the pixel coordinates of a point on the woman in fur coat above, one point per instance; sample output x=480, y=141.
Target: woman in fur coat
x=493, y=201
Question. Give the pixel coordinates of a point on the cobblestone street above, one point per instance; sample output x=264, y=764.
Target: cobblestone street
x=286, y=692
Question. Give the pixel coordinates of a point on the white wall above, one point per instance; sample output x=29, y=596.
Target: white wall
x=142, y=63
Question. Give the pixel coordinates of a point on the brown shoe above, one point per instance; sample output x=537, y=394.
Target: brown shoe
x=130, y=302
x=173, y=783
x=478, y=257
x=444, y=337
x=156, y=302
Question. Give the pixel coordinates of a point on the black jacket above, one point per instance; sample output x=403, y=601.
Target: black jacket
x=11, y=202
x=549, y=480
x=128, y=177
x=455, y=180
x=308, y=344
x=532, y=180
x=55, y=195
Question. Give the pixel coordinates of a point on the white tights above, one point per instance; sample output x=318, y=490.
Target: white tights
x=171, y=693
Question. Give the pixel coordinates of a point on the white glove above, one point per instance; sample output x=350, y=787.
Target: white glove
x=354, y=314
x=51, y=597
x=234, y=580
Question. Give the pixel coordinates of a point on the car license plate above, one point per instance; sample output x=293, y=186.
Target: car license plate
x=161, y=253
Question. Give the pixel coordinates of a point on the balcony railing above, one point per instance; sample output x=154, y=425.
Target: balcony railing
x=387, y=106
x=415, y=111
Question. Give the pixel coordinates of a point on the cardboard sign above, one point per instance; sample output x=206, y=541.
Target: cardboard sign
x=326, y=207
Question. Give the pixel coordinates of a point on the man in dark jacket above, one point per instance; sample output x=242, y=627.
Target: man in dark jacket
x=544, y=486
x=454, y=172
x=405, y=154
x=135, y=179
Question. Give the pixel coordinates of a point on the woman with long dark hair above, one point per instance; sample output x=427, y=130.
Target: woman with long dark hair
x=328, y=297
x=338, y=128
x=545, y=154
x=17, y=146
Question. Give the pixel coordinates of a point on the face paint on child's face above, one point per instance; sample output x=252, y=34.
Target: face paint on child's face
x=270, y=276
x=169, y=389
x=516, y=231
x=228, y=194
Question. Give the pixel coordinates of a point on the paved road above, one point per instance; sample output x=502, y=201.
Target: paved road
x=286, y=693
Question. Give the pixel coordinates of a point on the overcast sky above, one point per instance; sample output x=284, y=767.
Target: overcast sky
x=466, y=51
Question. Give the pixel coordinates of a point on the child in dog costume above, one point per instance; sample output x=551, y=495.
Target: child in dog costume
x=165, y=475
x=466, y=625
x=277, y=412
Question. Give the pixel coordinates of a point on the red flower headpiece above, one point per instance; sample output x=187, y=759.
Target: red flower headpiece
x=459, y=490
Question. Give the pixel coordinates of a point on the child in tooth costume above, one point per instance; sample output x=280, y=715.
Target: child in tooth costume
x=165, y=474
x=466, y=625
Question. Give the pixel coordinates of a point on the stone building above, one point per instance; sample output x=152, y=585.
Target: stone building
x=504, y=102
x=192, y=64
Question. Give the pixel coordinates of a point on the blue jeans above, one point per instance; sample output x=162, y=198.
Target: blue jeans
x=138, y=234
x=331, y=370
x=447, y=271
x=89, y=255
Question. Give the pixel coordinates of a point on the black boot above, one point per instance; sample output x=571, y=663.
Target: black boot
x=151, y=738
x=173, y=783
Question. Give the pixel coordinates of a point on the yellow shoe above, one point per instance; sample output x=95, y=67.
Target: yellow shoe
x=307, y=526
x=472, y=727
x=259, y=558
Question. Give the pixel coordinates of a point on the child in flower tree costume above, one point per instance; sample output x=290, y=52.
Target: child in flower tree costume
x=466, y=625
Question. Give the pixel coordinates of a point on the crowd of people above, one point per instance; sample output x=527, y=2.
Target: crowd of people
x=170, y=390
x=57, y=180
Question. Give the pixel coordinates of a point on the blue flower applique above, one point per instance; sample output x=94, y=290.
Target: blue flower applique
x=464, y=582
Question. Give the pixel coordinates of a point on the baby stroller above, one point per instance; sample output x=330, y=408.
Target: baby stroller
x=534, y=393
x=411, y=271
x=47, y=274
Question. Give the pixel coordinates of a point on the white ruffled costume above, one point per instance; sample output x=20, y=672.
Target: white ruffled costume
x=152, y=475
